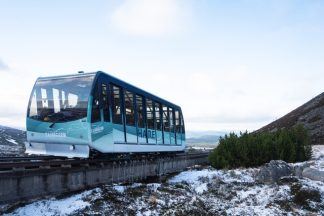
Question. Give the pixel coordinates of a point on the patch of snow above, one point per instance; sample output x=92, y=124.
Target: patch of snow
x=54, y=206
x=12, y=141
x=193, y=176
x=201, y=188
x=153, y=186
x=119, y=188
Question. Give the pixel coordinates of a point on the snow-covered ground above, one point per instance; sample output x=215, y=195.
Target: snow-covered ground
x=197, y=191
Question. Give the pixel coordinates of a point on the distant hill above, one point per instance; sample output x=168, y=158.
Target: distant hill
x=11, y=141
x=311, y=115
x=203, y=141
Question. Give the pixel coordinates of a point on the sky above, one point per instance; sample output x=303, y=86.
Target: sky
x=230, y=65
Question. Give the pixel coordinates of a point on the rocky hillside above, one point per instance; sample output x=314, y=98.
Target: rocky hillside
x=311, y=115
x=11, y=141
x=277, y=188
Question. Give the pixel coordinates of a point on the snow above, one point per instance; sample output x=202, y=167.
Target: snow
x=318, y=156
x=12, y=141
x=193, y=176
x=54, y=206
x=119, y=188
x=318, y=151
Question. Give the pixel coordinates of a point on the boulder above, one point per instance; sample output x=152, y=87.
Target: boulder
x=299, y=168
x=273, y=171
x=313, y=174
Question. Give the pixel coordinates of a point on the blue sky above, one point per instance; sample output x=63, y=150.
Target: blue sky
x=231, y=65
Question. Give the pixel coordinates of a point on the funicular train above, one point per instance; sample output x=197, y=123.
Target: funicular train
x=75, y=115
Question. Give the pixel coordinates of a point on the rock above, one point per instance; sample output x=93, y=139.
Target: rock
x=313, y=174
x=298, y=168
x=273, y=171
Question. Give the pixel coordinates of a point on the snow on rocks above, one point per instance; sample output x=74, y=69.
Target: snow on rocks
x=313, y=169
x=314, y=174
x=273, y=171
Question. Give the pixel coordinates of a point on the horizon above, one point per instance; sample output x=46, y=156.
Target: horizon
x=231, y=66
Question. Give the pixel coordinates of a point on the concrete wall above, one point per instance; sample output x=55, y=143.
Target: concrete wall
x=24, y=185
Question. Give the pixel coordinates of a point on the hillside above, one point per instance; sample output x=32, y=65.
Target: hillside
x=310, y=114
x=11, y=141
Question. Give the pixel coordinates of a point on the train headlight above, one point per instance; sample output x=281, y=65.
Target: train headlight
x=72, y=147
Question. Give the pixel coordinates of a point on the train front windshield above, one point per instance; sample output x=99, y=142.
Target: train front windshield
x=60, y=99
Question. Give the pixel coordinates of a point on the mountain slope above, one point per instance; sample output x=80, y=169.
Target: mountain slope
x=11, y=141
x=310, y=114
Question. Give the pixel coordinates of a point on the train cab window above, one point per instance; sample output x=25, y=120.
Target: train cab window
x=158, y=116
x=33, y=105
x=95, y=114
x=149, y=114
x=116, y=96
x=129, y=108
x=139, y=111
x=44, y=98
x=105, y=102
x=166, y=119
x=56, y=100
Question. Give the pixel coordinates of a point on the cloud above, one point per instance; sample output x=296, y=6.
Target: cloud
x=225, y=118
x=3, y=66
x=149, y=18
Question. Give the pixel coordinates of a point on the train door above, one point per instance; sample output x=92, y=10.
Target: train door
x=117, y=114
x=100, y=112
x=178, y=127
x=150, y=131
x=172, y=132
x=158, y=122
x=141, y=131
x=166, y=125
x=129, y=104
x=183, y=130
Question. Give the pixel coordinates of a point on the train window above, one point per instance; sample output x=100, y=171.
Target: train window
x=95, y=115
x=171, y=120
x=149, y=114
x=56, y=100
x=129, y=108
x=73, y=100
x=117, y=114
x=166, y=119
x=182, y=124
x=61, y=99
x=177, y=122
x=44, y=98
x=139, y=111
x=105, y=102
x=158, y=116
x=33, y=105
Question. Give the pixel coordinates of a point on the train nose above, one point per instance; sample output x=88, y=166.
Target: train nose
x=57, y=149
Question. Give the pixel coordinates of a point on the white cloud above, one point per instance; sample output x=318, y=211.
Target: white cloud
x=3, y=66
x=150, y=17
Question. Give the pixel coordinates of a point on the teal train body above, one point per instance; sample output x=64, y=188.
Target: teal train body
x=74, y=115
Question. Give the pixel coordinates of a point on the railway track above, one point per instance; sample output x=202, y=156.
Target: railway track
x=25, y=163
x=27, y=158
